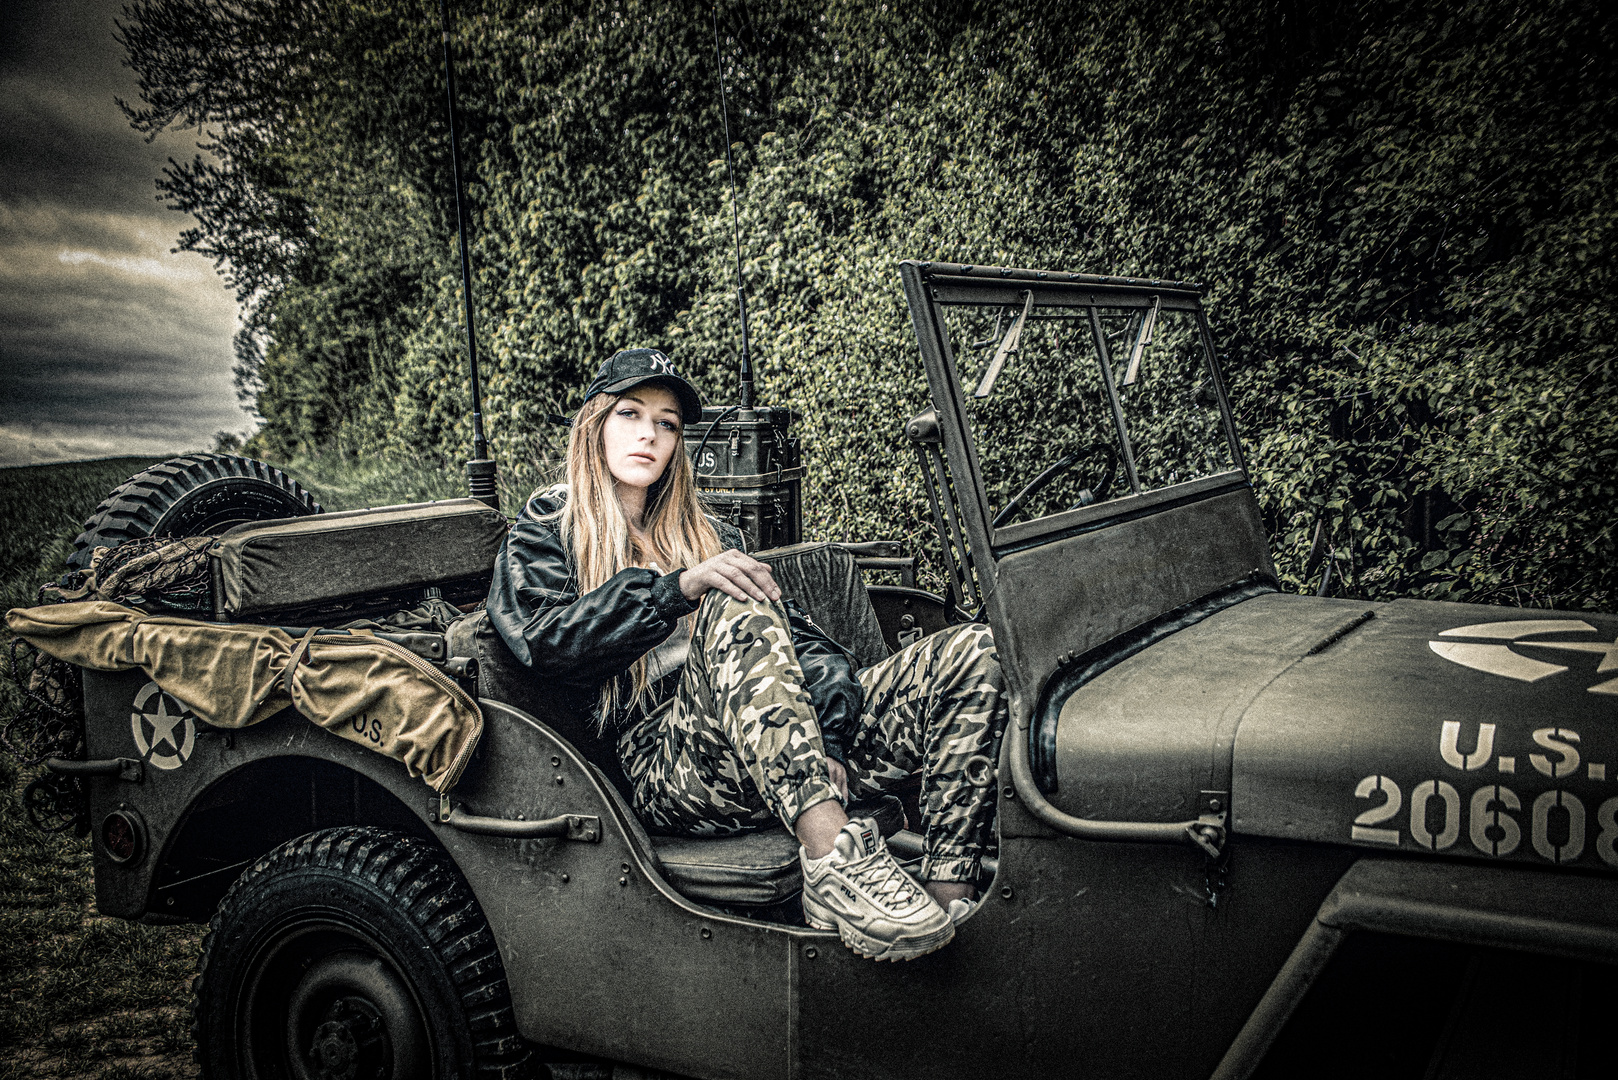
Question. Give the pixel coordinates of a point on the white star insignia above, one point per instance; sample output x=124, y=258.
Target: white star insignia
x=1609, y=658
x=163, y=724
x=1501, y=659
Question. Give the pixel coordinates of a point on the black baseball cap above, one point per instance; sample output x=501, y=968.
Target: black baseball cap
x=632, y=367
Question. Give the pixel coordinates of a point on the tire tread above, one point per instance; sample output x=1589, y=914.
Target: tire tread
x=430, y=891
x=136, y=507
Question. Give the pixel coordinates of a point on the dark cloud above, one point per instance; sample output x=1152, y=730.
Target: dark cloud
x=61, y=154
x=109, y=341
x=67, y=140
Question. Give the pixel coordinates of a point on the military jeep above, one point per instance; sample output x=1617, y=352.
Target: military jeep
x=1240, y=832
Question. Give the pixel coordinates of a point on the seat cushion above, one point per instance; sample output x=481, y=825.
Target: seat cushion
x=825, y=581
x=755, y=869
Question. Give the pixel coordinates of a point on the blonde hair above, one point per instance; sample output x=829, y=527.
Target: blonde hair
x=676, y=531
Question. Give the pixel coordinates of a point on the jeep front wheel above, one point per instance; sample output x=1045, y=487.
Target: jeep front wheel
x=353, y=953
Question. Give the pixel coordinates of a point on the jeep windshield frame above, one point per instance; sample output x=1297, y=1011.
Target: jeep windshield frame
x=942, y=294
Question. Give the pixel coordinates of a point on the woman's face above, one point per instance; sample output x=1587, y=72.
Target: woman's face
x=641, y=435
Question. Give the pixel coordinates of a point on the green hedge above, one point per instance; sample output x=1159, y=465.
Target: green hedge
x=1401, y=211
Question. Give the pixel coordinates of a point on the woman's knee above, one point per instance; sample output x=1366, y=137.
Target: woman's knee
x=967, y=647
x=720, y=616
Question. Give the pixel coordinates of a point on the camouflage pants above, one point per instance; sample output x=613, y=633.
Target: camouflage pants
x=739, y=747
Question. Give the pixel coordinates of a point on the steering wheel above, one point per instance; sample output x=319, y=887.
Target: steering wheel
x=1094, y=493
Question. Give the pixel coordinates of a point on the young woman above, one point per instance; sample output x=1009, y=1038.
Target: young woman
x=621, y=585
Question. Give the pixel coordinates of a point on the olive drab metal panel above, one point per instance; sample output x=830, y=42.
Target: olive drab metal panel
x=1064, y=597
x=1456, y=729
x=1150, y=739
x=1095, y=961
x=195, y=769
x=601, y=954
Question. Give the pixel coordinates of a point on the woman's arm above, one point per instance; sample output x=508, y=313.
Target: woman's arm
x=579, y=640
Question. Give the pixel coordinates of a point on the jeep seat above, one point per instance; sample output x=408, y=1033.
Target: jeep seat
x=756, y=869
x=825, y=581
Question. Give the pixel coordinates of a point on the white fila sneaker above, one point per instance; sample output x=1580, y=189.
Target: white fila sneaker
x=862, y=892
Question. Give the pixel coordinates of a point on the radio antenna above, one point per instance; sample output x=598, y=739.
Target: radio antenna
x=744, y=392
x=480, y=471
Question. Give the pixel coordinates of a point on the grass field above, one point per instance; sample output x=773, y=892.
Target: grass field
x=82, y=995
x=342, y=482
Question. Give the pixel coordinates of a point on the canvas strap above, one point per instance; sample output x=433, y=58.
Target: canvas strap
x=298, y=656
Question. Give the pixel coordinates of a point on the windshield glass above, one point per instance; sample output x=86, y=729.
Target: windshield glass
x=1170, y=406
x=1049, y=435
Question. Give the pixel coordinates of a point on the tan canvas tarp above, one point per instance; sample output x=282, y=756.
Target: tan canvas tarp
x=369, y=691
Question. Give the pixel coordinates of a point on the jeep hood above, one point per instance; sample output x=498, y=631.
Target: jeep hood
x=1472, y=731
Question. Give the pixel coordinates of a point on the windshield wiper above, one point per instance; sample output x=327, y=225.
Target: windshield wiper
x=1147, y=325
x=999, y=320
x=1008, y=345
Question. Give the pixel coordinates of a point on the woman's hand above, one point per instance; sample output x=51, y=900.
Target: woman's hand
x=839, y=777
x=733, y=574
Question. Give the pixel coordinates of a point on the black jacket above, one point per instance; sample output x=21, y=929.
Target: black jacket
x=582, y=641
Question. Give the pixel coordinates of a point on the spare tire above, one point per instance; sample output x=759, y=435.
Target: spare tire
x=194, y=495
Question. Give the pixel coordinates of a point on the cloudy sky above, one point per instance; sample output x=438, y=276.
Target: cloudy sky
x=109, y=342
